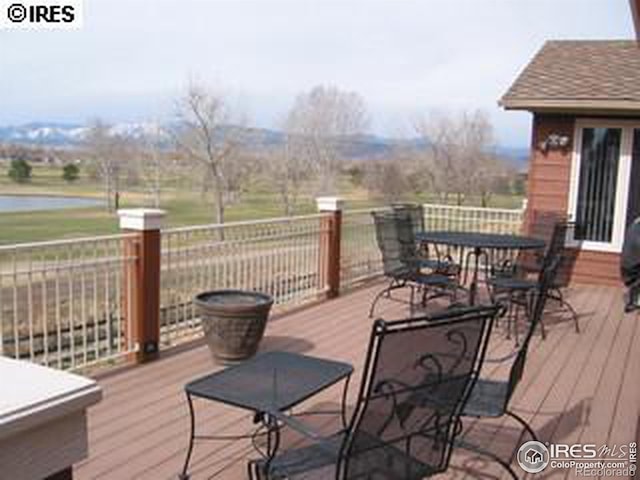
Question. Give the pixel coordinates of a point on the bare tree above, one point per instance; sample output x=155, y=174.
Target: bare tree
x=288, y=170
x=208, y=139
x=321, y=120
x=387, y=179
x=106, y=152
x=153, y=162
x=459, y=156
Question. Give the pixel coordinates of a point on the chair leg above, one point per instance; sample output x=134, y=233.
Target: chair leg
x=574, y=314
x=522, y=422
x=509, y=316
x=557, y=295
x=411, y=299
x=516, y=321
x=184, y=475
x=543, y=331
x=387, y=290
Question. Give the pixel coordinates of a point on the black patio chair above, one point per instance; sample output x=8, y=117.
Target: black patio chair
x=490, y=398
x=417, y=377
x=396, y=241
x=630, y=266
x=514, y=280
x=442, y=263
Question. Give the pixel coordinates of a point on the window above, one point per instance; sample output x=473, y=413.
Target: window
x=603, y=193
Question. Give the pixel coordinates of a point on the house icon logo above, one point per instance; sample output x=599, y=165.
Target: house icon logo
x=533, y=457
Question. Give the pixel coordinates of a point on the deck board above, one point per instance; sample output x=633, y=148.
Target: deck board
x=576, y=387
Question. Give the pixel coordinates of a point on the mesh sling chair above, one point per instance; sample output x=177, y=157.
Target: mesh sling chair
x=442, y=264
x=417, y=376
x=513, y=282
x=396, y=241
x=490, y=398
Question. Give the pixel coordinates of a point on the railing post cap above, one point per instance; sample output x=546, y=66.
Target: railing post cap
x=329, y=204
x=141, y=218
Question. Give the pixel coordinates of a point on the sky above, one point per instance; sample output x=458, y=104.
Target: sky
x=132, y=58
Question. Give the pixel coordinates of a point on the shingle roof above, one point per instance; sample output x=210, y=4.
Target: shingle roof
x=593, y=74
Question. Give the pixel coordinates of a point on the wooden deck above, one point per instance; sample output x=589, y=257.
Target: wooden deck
x=576, y=388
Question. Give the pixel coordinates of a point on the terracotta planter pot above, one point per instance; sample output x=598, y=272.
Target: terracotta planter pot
x=233, y=322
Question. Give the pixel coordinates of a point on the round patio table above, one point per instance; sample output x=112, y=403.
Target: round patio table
x=479, y=244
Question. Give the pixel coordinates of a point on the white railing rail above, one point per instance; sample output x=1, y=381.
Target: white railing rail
x=61, y=302
x=276, y=256
x=477, y=219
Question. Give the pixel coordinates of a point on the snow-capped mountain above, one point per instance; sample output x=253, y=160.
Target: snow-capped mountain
x=69, y=134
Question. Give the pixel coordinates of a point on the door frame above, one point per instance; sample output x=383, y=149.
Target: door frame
x=622, y=180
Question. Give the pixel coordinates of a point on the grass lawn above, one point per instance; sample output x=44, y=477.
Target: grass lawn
x=184, y=207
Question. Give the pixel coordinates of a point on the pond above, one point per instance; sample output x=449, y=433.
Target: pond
x=26, y=203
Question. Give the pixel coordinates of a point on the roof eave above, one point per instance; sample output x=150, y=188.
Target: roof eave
x=570, y=105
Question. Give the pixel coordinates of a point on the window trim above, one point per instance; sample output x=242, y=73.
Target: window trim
x=622, y=181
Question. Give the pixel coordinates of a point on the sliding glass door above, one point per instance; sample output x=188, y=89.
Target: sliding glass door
x=599, y=162
x=604, y=194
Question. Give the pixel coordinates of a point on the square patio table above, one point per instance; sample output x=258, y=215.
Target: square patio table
x=271, y=381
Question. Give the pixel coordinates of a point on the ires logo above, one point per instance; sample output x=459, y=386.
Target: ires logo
x=41, y=14
x=559, y=451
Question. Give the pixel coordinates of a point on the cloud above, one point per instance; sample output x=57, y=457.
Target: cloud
x=133, y=56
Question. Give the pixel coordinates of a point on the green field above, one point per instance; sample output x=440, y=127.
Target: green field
x=184, y=205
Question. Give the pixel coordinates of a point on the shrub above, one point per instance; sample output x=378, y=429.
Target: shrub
x=20, y=171
x=70, y=172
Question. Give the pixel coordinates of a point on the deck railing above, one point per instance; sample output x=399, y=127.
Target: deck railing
x=71, y=303
x=276, y=256
x=477, y=219
x=61, y=303
x=360, y=257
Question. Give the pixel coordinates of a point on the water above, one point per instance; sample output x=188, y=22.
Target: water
x=27, y=203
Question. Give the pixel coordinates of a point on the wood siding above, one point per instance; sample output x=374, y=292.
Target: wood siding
x=548, y=200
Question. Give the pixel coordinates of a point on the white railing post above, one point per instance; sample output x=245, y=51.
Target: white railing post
x=142, y=296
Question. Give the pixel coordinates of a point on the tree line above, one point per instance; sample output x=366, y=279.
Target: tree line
x=452, y=156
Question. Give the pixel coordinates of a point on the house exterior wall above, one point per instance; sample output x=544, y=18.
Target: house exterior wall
x=548, y=198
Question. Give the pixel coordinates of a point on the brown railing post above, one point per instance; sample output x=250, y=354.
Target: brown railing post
x=330, y=231
x=141, y=296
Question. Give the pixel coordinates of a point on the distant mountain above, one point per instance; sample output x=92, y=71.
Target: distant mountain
x=69, y=135
x=42, y=134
